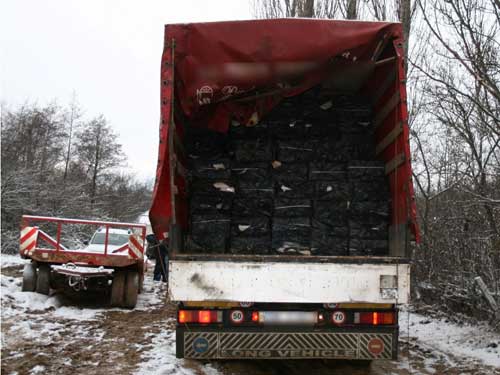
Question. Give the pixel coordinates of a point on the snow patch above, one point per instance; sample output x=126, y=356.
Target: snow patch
x=38, y=369
x=7, y=260
x=31, y=301
x=161, y=360
x=469, y=341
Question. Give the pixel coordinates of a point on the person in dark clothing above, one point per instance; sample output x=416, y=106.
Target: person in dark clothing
x=158, y=252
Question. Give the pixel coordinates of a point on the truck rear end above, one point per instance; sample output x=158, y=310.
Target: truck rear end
x=284, y=188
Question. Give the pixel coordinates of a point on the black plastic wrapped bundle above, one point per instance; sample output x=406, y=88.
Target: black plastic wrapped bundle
x=284, y=172
x=365, y=247
x=330, y=235
x=356, y=147
x=292, y=207
x=331, y=150
x=335, y=228
x=366, y=171
x=295, y=150
x=294, y=189
x=332, y=191
x=253, y=205
x=251, y=245
x=214, y=169
x=291, y=235
x=249, y=132
x=332, y=213
x=220, y=203
x=247, y=227
x=287, y=109
x=323, y=243
x=253, y=176
x=368, y=229
x=325, y=170
x=290, y=129
x=376, y=190
x=208, y=233
x=353, y=122
x=205, y=144
x=252, y=150
x=211, y=187
x=378, y=210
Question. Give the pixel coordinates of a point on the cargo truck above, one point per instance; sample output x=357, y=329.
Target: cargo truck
x=284, y=188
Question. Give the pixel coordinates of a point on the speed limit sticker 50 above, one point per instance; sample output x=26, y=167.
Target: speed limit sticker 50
x=338, y=317
x=236, y=316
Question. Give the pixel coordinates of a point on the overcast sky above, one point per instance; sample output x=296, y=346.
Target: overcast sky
x=106, y=51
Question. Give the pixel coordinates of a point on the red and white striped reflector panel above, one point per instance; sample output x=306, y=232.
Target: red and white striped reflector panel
x=28, y=239
x=135, y=248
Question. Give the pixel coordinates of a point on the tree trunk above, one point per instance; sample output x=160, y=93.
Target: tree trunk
x=307, y=9
x=352, y=10
x=96, y=169
x=404, y=14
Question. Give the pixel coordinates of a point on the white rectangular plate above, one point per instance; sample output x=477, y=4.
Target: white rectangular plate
x=293, y=282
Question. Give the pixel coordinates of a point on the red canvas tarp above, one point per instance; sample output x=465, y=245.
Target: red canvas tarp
x=214, y=72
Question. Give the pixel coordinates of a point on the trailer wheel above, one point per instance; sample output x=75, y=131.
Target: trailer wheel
x=29, y=278
x=117, y=289
x=131, y=289
x=43, y=279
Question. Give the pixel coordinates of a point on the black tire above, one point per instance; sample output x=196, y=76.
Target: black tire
x=43, y=279
x=117, y=289
x=29, y=278
x=131, y=289
x=141, y=283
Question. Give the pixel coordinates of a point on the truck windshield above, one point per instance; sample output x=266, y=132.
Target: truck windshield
x=114, y=239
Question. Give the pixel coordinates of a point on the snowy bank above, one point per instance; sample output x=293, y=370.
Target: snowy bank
x=477, y=342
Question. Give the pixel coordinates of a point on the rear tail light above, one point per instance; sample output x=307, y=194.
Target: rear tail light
x=255, y=316
x=199, y=316
x=374, y=318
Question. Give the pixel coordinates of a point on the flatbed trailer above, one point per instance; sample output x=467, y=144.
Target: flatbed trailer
x=118, y=272
x=283, y=306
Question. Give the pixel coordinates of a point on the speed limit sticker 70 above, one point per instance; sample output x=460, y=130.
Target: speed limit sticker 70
x=236, y=316
x=338, y=317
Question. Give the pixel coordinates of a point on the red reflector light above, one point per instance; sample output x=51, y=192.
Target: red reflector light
x=199, y=316
x=204, y=316
x=255, y=316
x=375, y=318
x=185, y=316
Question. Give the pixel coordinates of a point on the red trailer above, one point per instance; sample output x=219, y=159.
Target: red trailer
x=112, y=263
x=222, y=76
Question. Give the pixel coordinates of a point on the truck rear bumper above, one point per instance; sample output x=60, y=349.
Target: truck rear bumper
x=234, y=343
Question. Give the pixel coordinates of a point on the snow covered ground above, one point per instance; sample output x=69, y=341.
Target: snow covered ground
x=476, y=343
x=54, y=334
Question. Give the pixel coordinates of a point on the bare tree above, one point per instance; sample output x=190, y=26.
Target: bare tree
x=72, y=117
x=98, y=150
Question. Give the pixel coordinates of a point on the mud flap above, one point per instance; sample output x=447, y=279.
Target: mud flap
x=208, y=344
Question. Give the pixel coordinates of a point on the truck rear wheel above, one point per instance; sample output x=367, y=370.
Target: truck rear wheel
x=43, y=279
x=131, y=289
x=117, y=289
x=29, y=278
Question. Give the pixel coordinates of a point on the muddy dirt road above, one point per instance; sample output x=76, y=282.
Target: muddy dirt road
x=55, y=335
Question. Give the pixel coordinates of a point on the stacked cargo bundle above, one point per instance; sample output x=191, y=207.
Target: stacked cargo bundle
x=369, y=209
x=302, y=181
x=253, y=204
x=211, y=191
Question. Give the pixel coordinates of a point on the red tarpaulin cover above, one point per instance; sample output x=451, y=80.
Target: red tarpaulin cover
x=258, y=62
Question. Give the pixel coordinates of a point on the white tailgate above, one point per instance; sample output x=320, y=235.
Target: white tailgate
x=288, y=282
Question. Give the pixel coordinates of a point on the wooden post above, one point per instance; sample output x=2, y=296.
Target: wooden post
x=487, y=295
